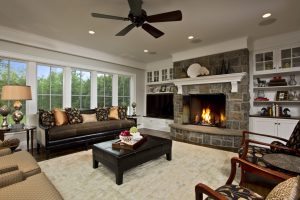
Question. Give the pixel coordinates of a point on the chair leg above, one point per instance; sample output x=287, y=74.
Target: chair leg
x=38, y=146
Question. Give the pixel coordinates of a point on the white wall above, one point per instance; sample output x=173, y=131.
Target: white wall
x=37, y=55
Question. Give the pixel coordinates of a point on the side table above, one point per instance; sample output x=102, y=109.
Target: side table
x=288, y=163
x=134, y=118
x=29, y=134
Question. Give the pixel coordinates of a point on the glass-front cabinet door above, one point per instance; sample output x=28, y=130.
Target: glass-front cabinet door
x=164, y=74
x=264, y=61
x=290, y=57
x=149, y=77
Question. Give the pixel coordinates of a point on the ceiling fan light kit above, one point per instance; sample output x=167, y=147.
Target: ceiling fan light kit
x=138, y=18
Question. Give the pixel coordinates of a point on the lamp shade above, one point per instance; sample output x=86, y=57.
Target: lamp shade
x=16, y=92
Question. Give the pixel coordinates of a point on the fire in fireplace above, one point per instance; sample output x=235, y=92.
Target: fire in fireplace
x=205, y=109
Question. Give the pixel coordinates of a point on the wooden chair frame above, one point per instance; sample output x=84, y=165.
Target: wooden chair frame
x=245, y=166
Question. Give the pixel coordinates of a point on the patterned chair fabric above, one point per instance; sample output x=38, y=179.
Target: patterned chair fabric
x=255, y=154
x=294, y=141
x=236, y=192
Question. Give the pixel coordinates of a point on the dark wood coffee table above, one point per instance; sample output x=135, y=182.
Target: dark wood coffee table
x=286, y=162
x=120, y=160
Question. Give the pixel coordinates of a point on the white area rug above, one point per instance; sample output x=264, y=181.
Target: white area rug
x=75, y=178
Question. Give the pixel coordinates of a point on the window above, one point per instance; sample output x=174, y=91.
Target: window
x=104, y=88
x=149, y=77
x=171, y=74
x=156, y=76
x=164, y=75
x=123, y=90
x=50, y=87
x=81, y=89
x=12, y=72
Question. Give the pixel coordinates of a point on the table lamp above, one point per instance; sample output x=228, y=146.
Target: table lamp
x=17, y=93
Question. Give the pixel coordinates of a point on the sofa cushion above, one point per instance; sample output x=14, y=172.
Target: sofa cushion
x=89, y=118
x=60, y=117
x=102, y=114
x=47, y=118
x=122, y=112
x=35, y=187
x=113, y=113
x=73, y=115
x=25, y=162
x=73, y=130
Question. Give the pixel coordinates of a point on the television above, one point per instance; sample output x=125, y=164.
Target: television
x=160, y=106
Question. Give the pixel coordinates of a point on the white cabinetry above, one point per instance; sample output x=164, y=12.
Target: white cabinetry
x=271, y=126
x=157, y=123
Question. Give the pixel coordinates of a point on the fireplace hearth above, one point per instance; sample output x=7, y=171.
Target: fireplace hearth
x=205, y=110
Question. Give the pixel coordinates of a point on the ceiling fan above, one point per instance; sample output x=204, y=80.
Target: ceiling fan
x=138, y=17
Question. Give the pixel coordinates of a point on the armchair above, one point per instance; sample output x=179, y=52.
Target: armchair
x=253, y=150
x=230, y=191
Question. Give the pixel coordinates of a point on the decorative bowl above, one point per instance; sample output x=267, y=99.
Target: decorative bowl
x=125, y=138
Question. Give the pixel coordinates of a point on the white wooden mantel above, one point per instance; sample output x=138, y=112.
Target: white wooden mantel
x=233, y=78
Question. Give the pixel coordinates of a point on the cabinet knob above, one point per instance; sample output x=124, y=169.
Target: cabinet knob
x=278, y=123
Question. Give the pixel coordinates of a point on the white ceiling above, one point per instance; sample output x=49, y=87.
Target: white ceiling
x=210, y=20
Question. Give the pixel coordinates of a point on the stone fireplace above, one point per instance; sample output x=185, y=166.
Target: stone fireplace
x=226, y=131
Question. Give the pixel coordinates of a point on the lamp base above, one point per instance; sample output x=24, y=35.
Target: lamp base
x=17, y=126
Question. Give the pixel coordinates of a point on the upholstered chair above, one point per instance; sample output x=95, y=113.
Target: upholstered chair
x=253, y=150
x=288, y=186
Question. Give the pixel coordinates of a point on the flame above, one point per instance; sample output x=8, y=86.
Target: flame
x=222, y=117
x=206, y=116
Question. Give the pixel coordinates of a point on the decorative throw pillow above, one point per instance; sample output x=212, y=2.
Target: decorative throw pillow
x=122, y=112
x=74, y=116
x=89, y=118
x=60, y=117
x=113, y=113
x=277, y=150
x=47, y=118
x=102, y=114
x=288, y=189
x=294, y=140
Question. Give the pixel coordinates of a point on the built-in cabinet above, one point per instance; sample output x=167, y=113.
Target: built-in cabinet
x=161, y=75
x=271, y=126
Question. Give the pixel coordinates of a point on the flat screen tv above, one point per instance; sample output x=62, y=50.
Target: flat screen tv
x=160, y=106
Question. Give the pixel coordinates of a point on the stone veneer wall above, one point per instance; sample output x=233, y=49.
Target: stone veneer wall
x=237, y=104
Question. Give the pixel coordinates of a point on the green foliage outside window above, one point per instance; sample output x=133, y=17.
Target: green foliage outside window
x=104, y=90
x=81, y=89
x=123, y=90
x=50, y=87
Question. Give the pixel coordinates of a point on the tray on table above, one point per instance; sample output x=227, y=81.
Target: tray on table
x=129, y=146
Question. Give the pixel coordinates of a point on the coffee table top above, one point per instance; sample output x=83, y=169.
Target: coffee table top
x=151, y=142
x=283, y=161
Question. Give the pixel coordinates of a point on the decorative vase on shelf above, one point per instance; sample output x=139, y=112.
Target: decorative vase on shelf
x=292, y=80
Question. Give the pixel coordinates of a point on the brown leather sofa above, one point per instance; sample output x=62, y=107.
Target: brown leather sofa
x=70, y=135
x=21, y=178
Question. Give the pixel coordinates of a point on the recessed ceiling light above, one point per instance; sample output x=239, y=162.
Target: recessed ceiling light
x=191, y=37
x=92, y=32
x=266, y=15
x=146, y=50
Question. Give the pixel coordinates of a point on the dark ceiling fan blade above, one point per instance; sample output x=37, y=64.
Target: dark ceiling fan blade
x=135, y=7
x=109, y=16
x=152, y=30
x=165, y=17
x=125, y=30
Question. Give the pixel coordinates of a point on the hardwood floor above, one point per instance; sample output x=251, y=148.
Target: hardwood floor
x=62, y=152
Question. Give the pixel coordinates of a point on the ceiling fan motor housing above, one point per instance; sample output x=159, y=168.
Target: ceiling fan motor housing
x=138, y=20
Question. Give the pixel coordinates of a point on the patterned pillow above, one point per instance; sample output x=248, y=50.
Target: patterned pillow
x=122, y=111
x=294, y=141
x=277, y=150
x=102, y=114
x=74, y=116
x=288, y=189
x=46, y=118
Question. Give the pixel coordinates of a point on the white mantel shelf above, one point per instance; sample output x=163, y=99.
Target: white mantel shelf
x=233, y=78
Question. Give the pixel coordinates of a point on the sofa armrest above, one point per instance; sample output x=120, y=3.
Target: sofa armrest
x=5, y=151
x=8, y=168
x=10, y=178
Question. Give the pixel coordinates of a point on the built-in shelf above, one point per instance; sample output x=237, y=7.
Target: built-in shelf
x=233, y=78
x=277, y=87
x=160, y=92
x=282, y=117
x=266, y=102
x=281, y=72
x=160, y=83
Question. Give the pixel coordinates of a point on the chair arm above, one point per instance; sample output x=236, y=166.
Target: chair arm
x=255, y=169
x=201, y=189
x=4, y=151
x=272, y=145
x=264, y=135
